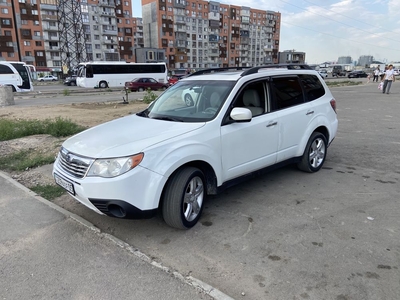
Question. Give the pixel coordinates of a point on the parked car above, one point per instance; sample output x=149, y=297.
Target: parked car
x=170, y=157
x=189, y=95
x=357, y=74
x=142, y=84
x=323, y=73
x=71, y=80
x=174, y=79
x=48, y=78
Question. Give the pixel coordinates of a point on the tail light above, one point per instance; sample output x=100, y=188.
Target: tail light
x=333, y=104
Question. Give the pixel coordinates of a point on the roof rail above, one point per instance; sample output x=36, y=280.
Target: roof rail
x=287, y=66
x=216, y=70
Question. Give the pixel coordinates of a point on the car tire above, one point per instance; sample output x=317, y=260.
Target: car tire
x=314, y=154
x=183, y=198
x=140, y=89
x=73, y=83
x=188, y=100
x=103, y=84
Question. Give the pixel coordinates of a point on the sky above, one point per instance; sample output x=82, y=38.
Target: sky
x=328, y=29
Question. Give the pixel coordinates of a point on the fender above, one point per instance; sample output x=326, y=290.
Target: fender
x=317, y=122
x=166, y=157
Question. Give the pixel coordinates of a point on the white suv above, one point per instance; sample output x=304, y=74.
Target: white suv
x=170, y=156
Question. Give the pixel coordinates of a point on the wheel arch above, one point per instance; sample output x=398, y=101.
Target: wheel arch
x=205, y=168
x=322, y=129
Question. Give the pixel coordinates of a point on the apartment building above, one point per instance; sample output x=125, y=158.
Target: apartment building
x=205, y=34
x=45, y=33
x=54, y=35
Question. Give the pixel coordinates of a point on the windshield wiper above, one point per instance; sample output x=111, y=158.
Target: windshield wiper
x=144, y=113
x=168, y=119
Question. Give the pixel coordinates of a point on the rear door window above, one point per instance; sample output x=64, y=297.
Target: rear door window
x=312, y=86
x=286, y=92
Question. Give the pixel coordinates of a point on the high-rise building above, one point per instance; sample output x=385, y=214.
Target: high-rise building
x=205, y=34
x=345, y=60
x=365, y=60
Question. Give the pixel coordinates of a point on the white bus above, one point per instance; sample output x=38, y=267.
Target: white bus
x=17, y=75
x=114, y=74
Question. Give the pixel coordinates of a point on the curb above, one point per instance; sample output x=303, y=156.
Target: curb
x=189, y=280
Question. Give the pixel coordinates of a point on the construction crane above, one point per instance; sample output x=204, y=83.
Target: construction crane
x=72, y=37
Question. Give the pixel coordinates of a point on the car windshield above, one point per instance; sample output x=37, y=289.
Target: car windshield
x=190, y=101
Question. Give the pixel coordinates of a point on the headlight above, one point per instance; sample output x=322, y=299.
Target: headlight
x=112, y=167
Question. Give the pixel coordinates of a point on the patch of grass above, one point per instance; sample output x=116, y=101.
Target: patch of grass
x=66, y=92
x=59, y=127
x=49, y=192
x=22, y=160
x=334, y=83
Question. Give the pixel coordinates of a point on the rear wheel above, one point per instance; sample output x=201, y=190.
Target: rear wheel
x=183, y=198
x=314, y=154
x=140, y=89
x=103, y=84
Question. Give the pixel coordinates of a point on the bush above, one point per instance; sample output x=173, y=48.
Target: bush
x=149, y=97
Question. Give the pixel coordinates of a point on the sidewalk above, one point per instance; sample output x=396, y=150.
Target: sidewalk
x=49, y=253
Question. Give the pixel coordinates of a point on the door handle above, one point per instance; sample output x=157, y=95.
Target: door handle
x=270, y=124
x=310, y=112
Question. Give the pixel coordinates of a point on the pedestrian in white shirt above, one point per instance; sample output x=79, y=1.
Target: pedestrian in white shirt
x=376, y=74
x=388, y=79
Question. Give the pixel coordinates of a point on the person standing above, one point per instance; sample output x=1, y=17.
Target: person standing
x=376, y=74
x=388, y=79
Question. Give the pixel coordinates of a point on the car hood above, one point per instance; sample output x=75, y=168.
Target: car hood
x=125, y=136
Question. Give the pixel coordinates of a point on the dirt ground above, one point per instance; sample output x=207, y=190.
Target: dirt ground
x=85, y=114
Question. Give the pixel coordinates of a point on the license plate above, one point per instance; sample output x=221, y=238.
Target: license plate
x=65, y=184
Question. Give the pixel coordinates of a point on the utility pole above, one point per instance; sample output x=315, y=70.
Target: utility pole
x=71, y=34
x=16, y=30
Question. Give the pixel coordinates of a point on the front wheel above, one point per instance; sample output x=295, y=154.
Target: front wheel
x=183, y=198
x=314, y=154
x=188, y=100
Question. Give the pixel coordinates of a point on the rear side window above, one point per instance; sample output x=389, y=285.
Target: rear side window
x=312, y=86
x=286, y=92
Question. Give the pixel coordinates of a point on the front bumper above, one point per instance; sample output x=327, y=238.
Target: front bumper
x=135, y=194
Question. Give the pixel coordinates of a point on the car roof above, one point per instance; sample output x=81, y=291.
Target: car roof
x=235, y=73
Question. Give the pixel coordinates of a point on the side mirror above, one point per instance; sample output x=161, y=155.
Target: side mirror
x=241, y=114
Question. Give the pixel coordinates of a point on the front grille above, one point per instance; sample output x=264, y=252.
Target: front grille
x=73, y=164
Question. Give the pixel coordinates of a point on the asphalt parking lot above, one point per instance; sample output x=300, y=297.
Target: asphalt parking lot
x=292, y=235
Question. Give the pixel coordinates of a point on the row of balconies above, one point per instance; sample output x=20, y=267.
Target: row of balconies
x=107, y=3
x=107, y=13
